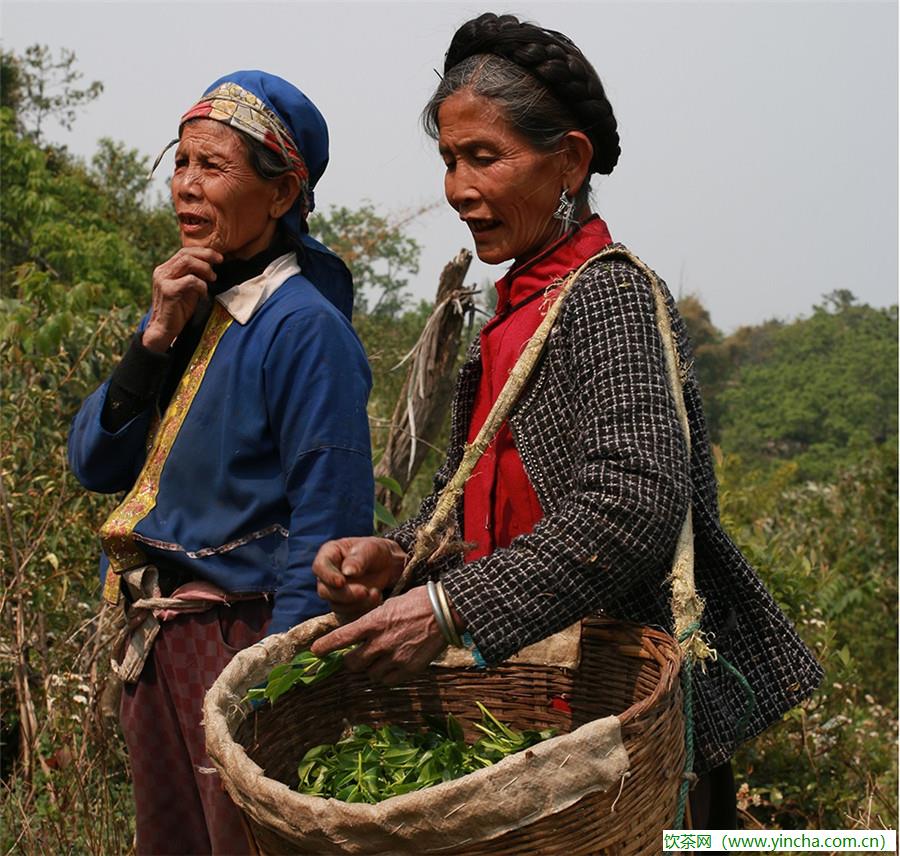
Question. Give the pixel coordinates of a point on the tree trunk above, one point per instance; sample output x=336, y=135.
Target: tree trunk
x=426, y=394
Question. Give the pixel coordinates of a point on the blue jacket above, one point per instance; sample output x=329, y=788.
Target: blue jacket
x=273, y=457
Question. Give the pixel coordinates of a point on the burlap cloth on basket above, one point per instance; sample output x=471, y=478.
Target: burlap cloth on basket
x=521, y=789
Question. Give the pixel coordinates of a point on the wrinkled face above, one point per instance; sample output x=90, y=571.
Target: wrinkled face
x=504, y=189
x=219, y=199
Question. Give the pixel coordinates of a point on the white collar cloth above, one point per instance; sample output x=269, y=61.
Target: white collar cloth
x=243, y=301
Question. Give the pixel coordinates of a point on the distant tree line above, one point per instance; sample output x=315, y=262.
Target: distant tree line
x=819, y=391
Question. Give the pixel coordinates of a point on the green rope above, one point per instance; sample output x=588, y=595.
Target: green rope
x=748, y=692
x=687, y=691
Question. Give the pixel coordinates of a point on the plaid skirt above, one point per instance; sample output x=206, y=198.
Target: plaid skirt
x=181, y=806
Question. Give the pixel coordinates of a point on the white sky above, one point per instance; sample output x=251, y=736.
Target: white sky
x=759, y=140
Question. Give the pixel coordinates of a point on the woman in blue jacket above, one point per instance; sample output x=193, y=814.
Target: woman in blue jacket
x=236, y=425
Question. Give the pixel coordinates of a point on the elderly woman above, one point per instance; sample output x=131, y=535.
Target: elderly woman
x=236, y=422
x=577, y=504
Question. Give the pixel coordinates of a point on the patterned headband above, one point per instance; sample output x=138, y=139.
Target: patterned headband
x=242, y=110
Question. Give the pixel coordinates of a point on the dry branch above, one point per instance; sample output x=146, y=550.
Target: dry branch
x=425, y=397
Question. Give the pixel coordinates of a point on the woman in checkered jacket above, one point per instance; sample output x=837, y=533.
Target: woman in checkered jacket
x=577, y=504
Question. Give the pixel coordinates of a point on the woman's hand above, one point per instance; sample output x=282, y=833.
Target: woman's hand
x=178, y=285
x=352, y=572
x=397, y=640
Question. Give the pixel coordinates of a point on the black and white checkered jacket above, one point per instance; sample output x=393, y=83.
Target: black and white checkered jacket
x=598, y=434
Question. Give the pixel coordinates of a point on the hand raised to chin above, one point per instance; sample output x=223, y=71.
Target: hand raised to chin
x=178, y=285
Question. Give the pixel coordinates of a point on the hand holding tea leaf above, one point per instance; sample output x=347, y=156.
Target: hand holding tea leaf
x=393, y=642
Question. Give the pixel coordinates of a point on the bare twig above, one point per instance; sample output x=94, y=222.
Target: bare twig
x=748, y=820
x=387, y=423
x=10, y=533
x=89, y=346
x=424, y=399
x=24, y=816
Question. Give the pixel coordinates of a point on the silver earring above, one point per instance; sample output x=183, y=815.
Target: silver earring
x=565, y=210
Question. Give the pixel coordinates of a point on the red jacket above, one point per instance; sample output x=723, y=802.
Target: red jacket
x=500, y=502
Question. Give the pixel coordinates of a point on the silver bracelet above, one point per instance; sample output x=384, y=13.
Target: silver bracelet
x=439, y=616
x=455, y=641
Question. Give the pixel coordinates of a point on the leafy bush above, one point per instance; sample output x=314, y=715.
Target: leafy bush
x=66, y=785
x=828, y=553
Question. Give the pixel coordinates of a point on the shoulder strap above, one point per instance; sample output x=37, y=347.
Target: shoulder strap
x=687, y=606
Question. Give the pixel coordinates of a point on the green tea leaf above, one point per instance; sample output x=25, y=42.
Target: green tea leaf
x=382, y=515
x=305, y=668
x=373, y=764
x=454, y=729
x=391, y=484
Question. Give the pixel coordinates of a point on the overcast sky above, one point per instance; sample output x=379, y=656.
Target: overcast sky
x=759, y=140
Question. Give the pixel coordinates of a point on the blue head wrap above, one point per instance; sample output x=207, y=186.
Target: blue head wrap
x=279, y=115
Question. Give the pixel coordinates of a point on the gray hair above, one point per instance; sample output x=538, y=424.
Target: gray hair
x=524, y=101
x=267, y=163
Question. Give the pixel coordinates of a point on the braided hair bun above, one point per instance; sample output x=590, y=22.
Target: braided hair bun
x=555, y=62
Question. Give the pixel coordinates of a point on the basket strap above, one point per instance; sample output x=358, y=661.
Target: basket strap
x=687, y=605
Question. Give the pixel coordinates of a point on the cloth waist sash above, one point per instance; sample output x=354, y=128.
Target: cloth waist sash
x=148, y=608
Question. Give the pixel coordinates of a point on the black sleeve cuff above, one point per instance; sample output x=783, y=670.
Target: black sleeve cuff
x=134, y=385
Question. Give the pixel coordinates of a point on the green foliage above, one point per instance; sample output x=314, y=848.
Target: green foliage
x=826, y=392
x=718, y=358
x=387, y=341
x=67, y=258
x=10, y=81
x=122, y=176
x=711, y=361
x=383, y=515
x=75, y=265
x=378, y=253
x=828, y=553
x=79, y=797
x=305, y=669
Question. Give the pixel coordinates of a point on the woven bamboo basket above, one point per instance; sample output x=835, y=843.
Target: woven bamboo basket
x=626, y=671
